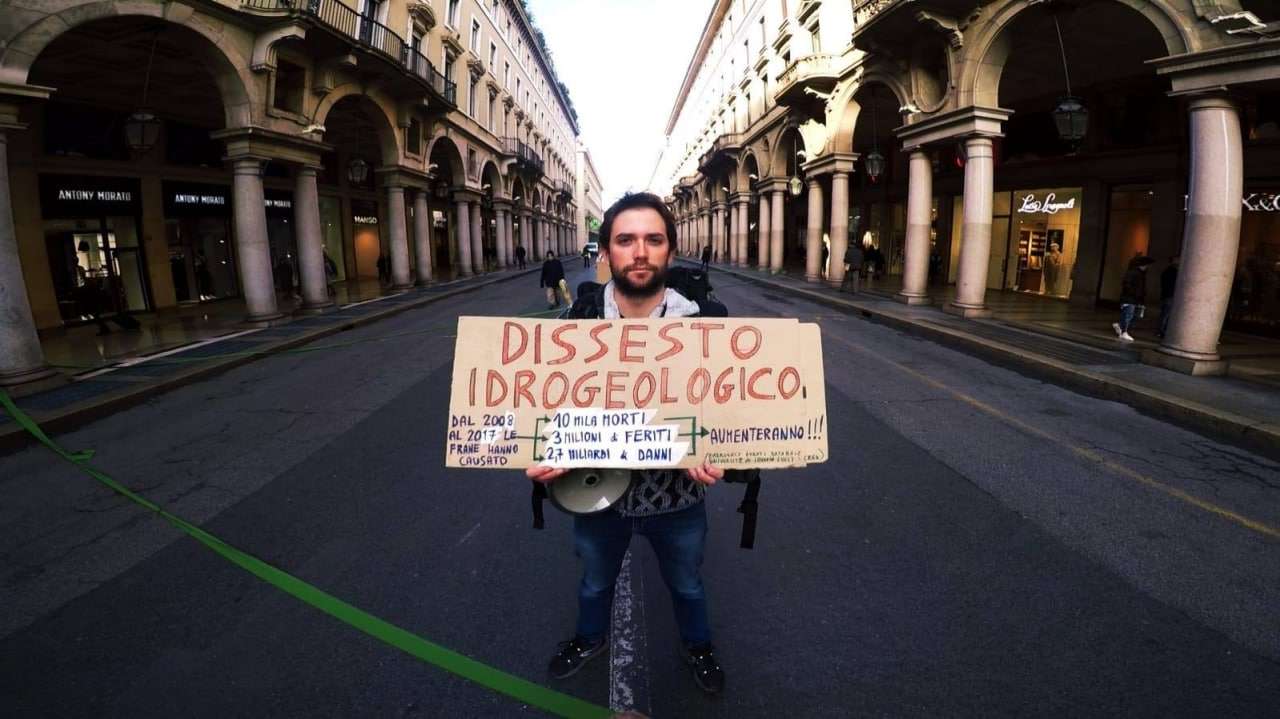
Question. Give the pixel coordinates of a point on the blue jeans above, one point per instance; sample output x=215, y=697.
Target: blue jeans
x=1127, y=313
x=677, y=538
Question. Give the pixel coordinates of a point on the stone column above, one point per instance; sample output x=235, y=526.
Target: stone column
x=729, y=225
x=763, y=232
x=915, y=276
x=422, y=236
x=777, y=229
x=463, y=237
x=509, y=219
x=253, y=254
x=477, y=238
x=22, y=363
x=500, y=232
x=1211, y=240
x=717, y=232
x=398, y=238
x=813, y=235
x=839, y=227
x=306, y=220
x=975, y=235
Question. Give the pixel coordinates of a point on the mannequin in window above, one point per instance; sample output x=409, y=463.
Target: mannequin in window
x=1053, y=269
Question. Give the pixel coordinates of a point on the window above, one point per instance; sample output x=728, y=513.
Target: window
x=493, y=55
x=763, y=41
x=493, y=104
x=493, y=9
x=746, y=53
x=475, y=36
x=815, y=35
x=413, y=136
x=290, y=82
x=506, y=74
x=471, y=95
x=449, y=62
x=452, y=16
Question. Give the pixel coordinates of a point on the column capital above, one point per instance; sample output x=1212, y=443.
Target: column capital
x=772, y=184
x=502, y=204
x=832, y=163
x=957, y=124
x=465, y=195
x=718, y=206
x=271, y=145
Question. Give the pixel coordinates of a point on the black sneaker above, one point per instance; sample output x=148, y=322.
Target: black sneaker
x=571, y=655
x=706, y=670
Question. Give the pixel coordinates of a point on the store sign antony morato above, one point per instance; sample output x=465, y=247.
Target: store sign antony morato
x=95, y=195
x=188, y=199
x=1262, y=202
x=1048, y=206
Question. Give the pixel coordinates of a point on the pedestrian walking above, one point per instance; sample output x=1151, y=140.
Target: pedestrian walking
x=520, y=256
x=706, y=256
x=586, y=257
x=384, y=270
x=1133, y=293
x=330, y=273
x=664, y=505
x=853, y=261
x=552, y=273
x=1168, y=283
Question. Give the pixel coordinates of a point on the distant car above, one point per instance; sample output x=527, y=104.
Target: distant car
x=593, y=248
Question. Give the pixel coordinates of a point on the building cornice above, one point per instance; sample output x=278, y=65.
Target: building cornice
x=718, y=12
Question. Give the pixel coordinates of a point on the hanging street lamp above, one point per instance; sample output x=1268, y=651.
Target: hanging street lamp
x=142, y=129
x=358, y=171
x=1070, y=117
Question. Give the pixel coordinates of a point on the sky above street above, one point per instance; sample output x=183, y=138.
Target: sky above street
x=623, y=62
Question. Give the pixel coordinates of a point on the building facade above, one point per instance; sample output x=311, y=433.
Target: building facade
x=1032, y=146
x=157, y=153
x=590, y=196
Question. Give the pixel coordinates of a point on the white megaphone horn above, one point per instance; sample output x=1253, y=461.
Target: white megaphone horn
x=589, y=491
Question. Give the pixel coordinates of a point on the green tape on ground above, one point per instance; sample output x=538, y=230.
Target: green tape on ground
x=402, y=639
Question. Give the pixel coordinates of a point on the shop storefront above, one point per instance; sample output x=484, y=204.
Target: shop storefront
x=366, y=240
x=1035, y=238
x=96, y=261
x=281, y=239
x=198, y=235
x=331, y=231
x=1255, y=293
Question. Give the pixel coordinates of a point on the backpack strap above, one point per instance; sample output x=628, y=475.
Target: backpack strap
x=539, y=494
x=748, y=509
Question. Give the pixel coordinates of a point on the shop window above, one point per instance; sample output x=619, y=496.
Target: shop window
x=84, y=131
x=191, y=146
x=291, y=82
x=413, y=137
x=1128, y=236
x=1255, y=291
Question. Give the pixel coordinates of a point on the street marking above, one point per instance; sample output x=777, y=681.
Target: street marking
x=1088, y=454
x=628, y=668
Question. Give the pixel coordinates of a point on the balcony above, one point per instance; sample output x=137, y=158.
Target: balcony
x=806, y=76
x=374, y=37
x=885, y=23
x=724, y=150
x=562, y=187
x=526, y=159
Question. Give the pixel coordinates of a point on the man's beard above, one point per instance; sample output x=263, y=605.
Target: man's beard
x=656, y=283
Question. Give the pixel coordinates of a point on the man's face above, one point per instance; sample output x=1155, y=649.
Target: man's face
x=639, y=252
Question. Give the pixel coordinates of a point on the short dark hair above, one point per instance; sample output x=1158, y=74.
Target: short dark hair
x=637, y=201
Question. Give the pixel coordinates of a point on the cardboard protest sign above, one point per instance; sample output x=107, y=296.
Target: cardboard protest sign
x=662, y=392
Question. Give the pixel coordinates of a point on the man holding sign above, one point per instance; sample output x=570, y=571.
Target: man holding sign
x=665, y=505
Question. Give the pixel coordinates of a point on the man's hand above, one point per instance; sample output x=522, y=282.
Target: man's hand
x=706, y=473
x=546, y=475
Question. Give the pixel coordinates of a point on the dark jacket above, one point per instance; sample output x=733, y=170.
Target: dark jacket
x=853, y=257
x=1168, y=282
x=552, y=273
x=659, y=490
x=1133, y=288
x=706, y=253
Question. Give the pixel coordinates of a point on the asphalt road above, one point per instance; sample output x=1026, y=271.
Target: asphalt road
x=980, y=544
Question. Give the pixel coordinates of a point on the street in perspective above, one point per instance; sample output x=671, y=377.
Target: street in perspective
x=729, y=358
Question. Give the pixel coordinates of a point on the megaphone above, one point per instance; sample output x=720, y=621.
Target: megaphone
x=589, y=491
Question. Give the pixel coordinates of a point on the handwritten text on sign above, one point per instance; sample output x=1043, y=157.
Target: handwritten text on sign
x=636, y=393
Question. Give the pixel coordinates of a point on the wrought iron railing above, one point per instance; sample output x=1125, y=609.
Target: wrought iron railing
x=369, y=33
x=526, y=155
